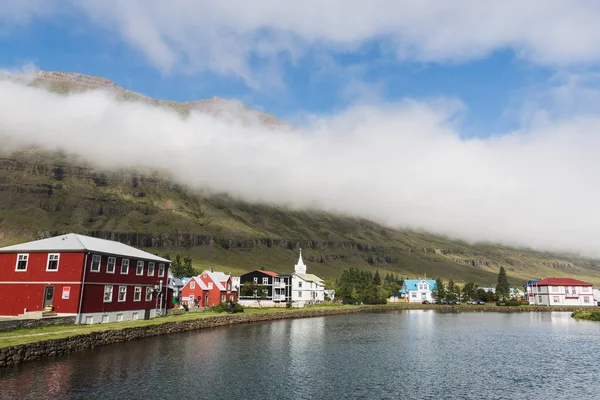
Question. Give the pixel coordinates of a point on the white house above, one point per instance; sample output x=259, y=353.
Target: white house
x=417, y=290
x=560, y=292
x=306, y=288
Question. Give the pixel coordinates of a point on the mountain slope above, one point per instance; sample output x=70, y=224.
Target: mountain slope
x=44, y=193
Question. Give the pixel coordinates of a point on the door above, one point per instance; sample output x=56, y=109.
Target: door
x=205, y=300
x=48, y=296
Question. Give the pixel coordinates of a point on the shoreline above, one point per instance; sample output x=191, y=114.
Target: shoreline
x=11, y=355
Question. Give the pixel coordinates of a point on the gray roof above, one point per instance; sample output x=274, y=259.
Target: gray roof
x=73, y=242
x=310, y=278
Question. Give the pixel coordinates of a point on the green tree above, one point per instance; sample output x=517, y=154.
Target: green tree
x=502, y=288
x=377, y=278
x=469, y=291
x=439, y=293
x=482, y=295
x=451, y=290
x=181, y=267
x=255, y=291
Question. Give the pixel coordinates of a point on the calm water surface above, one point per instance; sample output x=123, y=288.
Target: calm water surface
x=388, y=355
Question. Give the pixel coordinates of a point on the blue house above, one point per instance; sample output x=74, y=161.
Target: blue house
x=418, y=290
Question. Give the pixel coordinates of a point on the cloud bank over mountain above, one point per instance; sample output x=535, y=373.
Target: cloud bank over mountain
x=402, y=164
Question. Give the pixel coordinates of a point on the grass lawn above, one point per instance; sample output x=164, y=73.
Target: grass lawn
x=23, y=336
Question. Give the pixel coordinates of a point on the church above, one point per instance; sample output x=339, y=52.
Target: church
x=306, y=288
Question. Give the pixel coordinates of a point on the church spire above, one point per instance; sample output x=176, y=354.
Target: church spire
x=300, y=268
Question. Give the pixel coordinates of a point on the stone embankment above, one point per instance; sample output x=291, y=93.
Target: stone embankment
x=34, y=351
x=13, y=324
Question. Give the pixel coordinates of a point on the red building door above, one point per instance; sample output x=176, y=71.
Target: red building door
x=48, y=296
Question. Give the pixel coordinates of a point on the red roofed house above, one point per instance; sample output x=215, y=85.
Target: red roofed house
x=560, y=292
x=208, y=289
x=97, y=280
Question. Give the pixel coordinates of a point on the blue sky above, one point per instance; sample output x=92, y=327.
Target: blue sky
x=493, y=86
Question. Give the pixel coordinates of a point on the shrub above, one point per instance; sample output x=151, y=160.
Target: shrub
x=224, y=307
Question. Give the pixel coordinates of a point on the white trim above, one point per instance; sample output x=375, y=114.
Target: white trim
x=123, y=263
x=151, y=268
x=192, y=284
x=48, y=262
x=137, y=268
x=24, y=255
x=105, y=293
x=114, y=265
x=161, y=270
x=119, y=294
x=148, y=292
x=99, y=263
x=135, y=293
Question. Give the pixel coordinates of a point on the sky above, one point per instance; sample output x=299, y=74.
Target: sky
x=474, y=119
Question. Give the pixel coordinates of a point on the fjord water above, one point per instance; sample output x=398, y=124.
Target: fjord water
x=385, y=355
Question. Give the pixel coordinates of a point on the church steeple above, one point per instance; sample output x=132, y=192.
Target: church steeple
x=300, y=268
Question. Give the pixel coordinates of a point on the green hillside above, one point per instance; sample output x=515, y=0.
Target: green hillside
x=43, y=194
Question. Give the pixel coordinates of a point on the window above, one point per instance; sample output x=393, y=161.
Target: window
x=299, y=293
x=161, y=270
x=150, y=268
x=119, y=317
x=135, y=316
x=255, y=280
x=413, y=295
x=191, y=299
x=540, y=299
x=108, y=292
x=110, y=265
x=210, y=286
x=105, y=319
x=137, y=293
x=299, y=284
x=96, y=263
x=192, y=285
x=229, y=286
x=140, y=268
x=22, y=262
x=555, y=289
x=586, y=299
x=585, y=289
x=148, y=293
x=52, y=262
x=124, y=266
x=122, y=293
x=555, y=299
x=265, y=281
x=223, y=299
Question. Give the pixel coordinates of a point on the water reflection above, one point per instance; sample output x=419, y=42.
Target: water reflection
x=412, y=354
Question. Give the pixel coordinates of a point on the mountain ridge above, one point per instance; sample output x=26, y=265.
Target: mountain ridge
x=44, y=193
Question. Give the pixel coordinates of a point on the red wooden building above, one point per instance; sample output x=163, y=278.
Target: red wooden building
x=97, y=280
x=208, y=289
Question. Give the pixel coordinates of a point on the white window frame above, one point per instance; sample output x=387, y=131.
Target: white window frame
x=191, y=299
x=109, y=263
x=586, y=299
x=161, y=270
x=148, y=293
x=299, y=284
x=555, y=299
x=223, y=298
x=125, y=263
x=122, y=290
x=50, y=258
x=22, y=257
x=139, y=264
x=192, y=284
x=255, y=280
x=151, y=268
x=108, y=289
x=94, y=257
x=265, y=281
x=137, y=293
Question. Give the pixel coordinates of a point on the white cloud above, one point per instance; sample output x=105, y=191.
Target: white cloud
x=223, y=37
x=402, y=164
